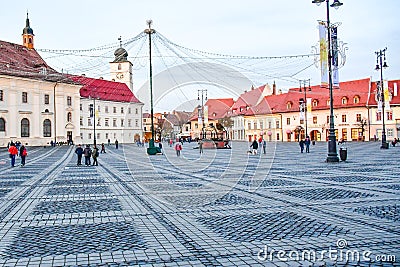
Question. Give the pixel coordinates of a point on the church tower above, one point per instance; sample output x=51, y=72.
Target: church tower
x=121, y=67
x=27, y=35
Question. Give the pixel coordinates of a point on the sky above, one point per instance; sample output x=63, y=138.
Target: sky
x=235, y=27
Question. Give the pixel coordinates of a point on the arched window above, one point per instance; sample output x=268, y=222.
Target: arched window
x=2, y=125
x=356, y=99
x=315, y=103
x=24, y=128
x=119, y=66
x=46, y=128
x=344, y=100
x=69, y=117
x=289, y=105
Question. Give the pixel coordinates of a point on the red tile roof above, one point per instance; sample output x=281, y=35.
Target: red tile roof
x=245, y=101
x=105, y=90
x=17, y=60
x=217, y=108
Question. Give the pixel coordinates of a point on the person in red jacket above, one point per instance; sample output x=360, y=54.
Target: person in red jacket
x=13, y=152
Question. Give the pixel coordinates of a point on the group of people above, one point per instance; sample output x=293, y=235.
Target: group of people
x=15, y=150
x=88, y=153
x=305, y=143
x=261, y=143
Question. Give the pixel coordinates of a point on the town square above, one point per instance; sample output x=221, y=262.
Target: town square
x=212, y=133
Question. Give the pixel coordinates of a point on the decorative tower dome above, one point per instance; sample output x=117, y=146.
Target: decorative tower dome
x=121, y=55
x=27, y=34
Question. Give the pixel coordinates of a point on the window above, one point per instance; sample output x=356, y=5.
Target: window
x=89, y=136
x=115, y=122
x=69, y=101
x=46, y=99
x=269, y=124
x=24, y=128
x=196, y=126
x=136, y=111
x=343, y=118
x=2, y=125
x=344, y=134
x=122, y=110
x=328, y=102
x=46, y=128
x=69, y=117
x=80, y=107
x=81, y=135
x=288, y=121
x=98, y=108
x=129, y=123
x=344, y=100
x=81, y=121
x=106, y=135
x=119, y=66
x=24, y=97
x=356, y=99
x=249, y=125
x=98, y=135
x=106, y=109
x=98, y=121
x=277, y=127
x=261, y=125
x=114, y=109
x=122, y=122
x=289, y=105
x=390, y=132
x=315, y=103
x=137, y=123
x=129, y=110
x=89, y=122
x=378, y=116
x=315, y=119
x=389, y=115
x=106, y=122
x=358, y=117
x=1, y=95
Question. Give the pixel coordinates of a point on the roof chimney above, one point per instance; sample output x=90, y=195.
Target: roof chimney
x=274, y=89
x=280, y=92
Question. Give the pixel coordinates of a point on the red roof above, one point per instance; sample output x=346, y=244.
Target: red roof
x=217, y=108
x=246, y=100
x=105, y=90
x=395, y=95
x=17, y=60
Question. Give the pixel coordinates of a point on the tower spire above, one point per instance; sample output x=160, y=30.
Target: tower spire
x=27, y=34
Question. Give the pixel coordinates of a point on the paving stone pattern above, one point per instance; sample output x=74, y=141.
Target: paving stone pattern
x=219, y=208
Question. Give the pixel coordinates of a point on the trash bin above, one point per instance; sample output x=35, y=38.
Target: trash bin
x=343, y=153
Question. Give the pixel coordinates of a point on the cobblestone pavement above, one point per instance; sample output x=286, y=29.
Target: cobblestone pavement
x=219, y=208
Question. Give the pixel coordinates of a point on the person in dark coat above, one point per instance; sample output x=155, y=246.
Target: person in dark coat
x=87, y=152
x=301, y=143
x=23, y=153
x=79, y=152
x=254, y=145
x=307, y=142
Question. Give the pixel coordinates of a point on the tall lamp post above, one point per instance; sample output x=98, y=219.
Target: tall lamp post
x=202, y=91
x=381, y=93
x=332, y=151
x=304, y=101
x=151, y=150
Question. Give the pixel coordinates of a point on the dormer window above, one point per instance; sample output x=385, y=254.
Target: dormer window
x=315, y=103
x=344, y=100
x=289, y=105
x=328, y=102
x=356, y=99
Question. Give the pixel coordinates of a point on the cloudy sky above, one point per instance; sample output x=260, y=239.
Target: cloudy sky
x=237, y=27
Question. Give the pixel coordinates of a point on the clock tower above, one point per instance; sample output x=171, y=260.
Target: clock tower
x=27, y=34
x=121, y=67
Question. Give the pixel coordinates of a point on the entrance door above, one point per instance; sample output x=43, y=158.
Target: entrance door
x=69, y=137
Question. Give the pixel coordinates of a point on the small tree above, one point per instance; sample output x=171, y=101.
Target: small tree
x=362, y=124
x=225, y=123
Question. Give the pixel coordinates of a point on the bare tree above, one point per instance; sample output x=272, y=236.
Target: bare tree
x=362, y=124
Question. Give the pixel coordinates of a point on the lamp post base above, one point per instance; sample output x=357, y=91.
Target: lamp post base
x=385, y=145
x=332, y=159
x=153, y=150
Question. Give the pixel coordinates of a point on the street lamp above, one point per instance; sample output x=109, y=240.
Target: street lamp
x=332, y=152
x=303, y=102
x=381, y=93
x=201, y=109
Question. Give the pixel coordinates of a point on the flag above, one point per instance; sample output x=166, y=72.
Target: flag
x=199, y=116
x=205, y=115
x=323, y=54
x=309, y=105
x=335, y=58
x=386, y=94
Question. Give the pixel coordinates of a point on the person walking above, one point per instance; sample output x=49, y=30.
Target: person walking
x=301, y=143
x=23, y=153
x=160, y=146
x=178, y=148
x=13, y=153
x=254, y=145
x=109, y=141
x=307, y=142
x=264, y=146
x=79, y=152
x=95, y=155
x=87, y=152
x=116, y=144
x=103, y=148
x=201, y=146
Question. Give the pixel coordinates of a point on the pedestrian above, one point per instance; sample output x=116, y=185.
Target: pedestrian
x=13, y=153
x=95, y=155
x=307, y=142
x=79, y=152
x=301, y=143
x=18, y=145
x=160, y=146
x=116, y=144
x=87, y=152
x=103, y=148
x=254, y=145
x=264, y=145
x=109, y=141
x=171, y=142
x=178, y=148
x=23, y=153
x=201, y=146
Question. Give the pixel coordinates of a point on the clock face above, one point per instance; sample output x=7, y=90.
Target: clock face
x=120, y=75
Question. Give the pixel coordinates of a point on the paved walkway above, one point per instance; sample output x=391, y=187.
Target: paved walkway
x=220, y=208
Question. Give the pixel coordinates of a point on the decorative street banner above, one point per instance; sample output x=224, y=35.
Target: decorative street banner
x=199, y=116
x=335, y=58
x=323, y=54
x=309, y=105
x=378, y=95
x=205, y=115
x=301, y=106
x=386, y=94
